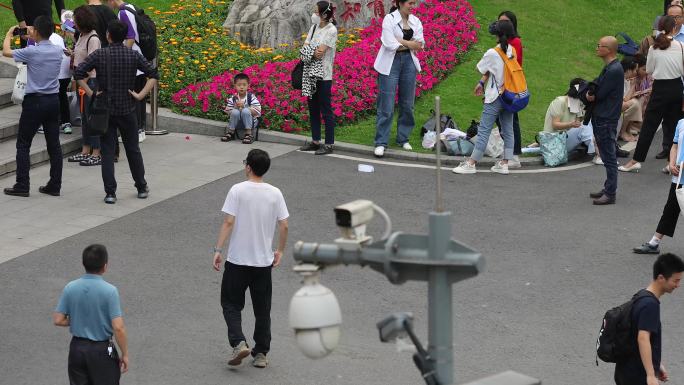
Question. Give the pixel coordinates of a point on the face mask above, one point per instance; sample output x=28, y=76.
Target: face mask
x=315, y=19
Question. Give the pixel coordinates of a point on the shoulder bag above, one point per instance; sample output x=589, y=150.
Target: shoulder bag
x=98, y=117
x=298, y=72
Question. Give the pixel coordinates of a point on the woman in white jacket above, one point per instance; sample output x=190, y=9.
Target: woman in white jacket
x=397, y=66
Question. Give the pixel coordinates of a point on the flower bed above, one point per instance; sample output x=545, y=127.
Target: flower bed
x=450, y=29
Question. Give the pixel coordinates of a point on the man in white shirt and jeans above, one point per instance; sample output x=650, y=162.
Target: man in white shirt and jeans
x=252, y=208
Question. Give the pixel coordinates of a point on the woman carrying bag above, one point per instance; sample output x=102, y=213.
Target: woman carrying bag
x=322, y=36
x=397, y=66
x=88, y=42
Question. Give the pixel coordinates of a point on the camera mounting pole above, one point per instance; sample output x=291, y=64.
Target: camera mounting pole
x=434, y=258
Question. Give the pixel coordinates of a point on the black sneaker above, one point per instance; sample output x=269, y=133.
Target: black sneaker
x=143, y=193
x=324, y=150
x=663, y=154
x=647, y=248
x=620, y=153
x=47, y=191
x=110, y=199
x=310, y=146
x=15, y=192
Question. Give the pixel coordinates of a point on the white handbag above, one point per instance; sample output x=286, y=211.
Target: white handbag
x=495, y=145
x=19, y=84
x=679, y=191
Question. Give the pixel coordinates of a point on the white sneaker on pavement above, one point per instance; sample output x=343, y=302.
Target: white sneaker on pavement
x=141, y=136
x=260, y=361
x=597, y=161
x=379, y=151
x=515, y=162
x=500, y=168
x=239, y=353
x=406, y=146
x=464, y=168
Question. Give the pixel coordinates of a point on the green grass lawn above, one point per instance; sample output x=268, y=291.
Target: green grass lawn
x=559, y=38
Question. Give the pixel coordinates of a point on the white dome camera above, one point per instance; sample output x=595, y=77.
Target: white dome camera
x=315, y=315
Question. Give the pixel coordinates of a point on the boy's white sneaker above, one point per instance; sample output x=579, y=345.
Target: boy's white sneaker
x=406, y=146
x=500, y=168
x=465, y=168
x=379, y=151
x=515, y=162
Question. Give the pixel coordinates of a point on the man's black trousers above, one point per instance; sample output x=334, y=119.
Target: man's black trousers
x=91, y=364
x=236, y=280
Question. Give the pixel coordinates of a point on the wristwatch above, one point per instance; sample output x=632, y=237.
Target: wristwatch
x=217, y=250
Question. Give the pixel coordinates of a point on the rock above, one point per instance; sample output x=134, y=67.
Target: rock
x=270, y=23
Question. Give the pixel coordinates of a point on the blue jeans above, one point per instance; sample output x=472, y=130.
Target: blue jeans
x=490, y=113
x=237, y=116
x=39, y=110
x=90, y=140
x=402, y=75
x=582, y=134
x=605, y=133
x=320, y=103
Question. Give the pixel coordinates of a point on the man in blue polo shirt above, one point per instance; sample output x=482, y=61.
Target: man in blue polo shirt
x=40, y=106
x=90, y=307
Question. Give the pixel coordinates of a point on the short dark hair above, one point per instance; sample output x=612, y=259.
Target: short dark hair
x=85, y=19
x=628, y=63
x=44, y=26
x=666, y=265
x=572, y=91
x=241, y=76
x=117, y=31
x=94, y=258
x=258, y=161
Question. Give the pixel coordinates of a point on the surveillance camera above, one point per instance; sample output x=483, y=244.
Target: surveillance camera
x=316, y=317
x=352, y=219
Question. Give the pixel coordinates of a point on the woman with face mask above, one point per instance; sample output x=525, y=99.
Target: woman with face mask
x=323, y=36
x=397, y=66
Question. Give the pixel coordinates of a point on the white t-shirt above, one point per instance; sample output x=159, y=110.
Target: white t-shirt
x=128, y=17
x=666, y=64
x=257, y=207
x=65, y=67
x=491, y=62
x=328, y=37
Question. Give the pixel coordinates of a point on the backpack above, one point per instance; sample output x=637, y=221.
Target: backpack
x=147, y=32
x=515, y=95
x=616, y=339
x=445, y=121
x=629, y=47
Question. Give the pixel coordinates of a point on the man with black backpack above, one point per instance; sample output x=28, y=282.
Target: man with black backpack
x=641, y=358
x=141, y=37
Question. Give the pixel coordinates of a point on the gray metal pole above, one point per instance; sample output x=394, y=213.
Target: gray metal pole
x=438, y=145
x=154, y=109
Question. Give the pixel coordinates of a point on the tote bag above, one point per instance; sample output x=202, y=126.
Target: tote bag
x=20, y=85
x=553, y=148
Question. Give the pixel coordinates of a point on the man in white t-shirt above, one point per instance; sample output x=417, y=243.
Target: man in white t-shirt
x=252, y=208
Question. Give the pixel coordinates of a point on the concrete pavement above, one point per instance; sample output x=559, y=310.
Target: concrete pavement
x=555, y=264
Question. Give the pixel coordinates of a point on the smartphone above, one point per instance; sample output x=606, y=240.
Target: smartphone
x=20, y=32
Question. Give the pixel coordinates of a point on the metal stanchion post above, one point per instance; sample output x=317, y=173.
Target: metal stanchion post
x=154, y=109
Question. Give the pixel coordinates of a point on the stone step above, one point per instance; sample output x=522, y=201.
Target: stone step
x=39, y=154
x=6, y=87
x=9, y=122
x=8, y=68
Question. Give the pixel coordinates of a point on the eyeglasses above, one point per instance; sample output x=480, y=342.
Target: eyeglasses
x=677, y=17
x=601, y=46
x=244, y=161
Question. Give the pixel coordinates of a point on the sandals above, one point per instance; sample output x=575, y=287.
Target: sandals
x=248, y=139
x=228, y=137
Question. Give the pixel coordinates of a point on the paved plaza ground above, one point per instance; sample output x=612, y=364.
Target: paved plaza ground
x=555, y=263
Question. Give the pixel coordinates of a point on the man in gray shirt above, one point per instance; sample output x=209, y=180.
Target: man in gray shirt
x=40, y=106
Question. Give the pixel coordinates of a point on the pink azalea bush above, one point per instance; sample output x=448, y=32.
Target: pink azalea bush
x=450, y=29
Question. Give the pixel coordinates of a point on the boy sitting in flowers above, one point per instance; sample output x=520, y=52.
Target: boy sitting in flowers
x=244, y=109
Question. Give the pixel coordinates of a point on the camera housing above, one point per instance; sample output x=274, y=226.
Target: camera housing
x=352, y=219
x=20, y=31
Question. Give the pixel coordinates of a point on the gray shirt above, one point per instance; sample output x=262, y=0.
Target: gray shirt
x=43, y=64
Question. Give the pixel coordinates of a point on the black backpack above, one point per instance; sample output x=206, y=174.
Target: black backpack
x=147, y=33
x=445, y=122
x=617, y=338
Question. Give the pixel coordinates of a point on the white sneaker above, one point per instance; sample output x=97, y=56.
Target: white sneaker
x=379, y=151
x=141, y=136
x=40, y=129
x=406, y=146
x=597, y=161
x=500, y=168
x=239, y=353
x=465, y=168
x=515, y=162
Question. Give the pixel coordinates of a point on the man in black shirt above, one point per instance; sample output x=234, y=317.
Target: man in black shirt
x=607, y=110
x=104, y=16
x=124, y=63
x=645, y=366
x=26, y=12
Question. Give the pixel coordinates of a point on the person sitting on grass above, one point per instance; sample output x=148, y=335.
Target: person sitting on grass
x=632, y=116
x=565, y=114
x=244, y=109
